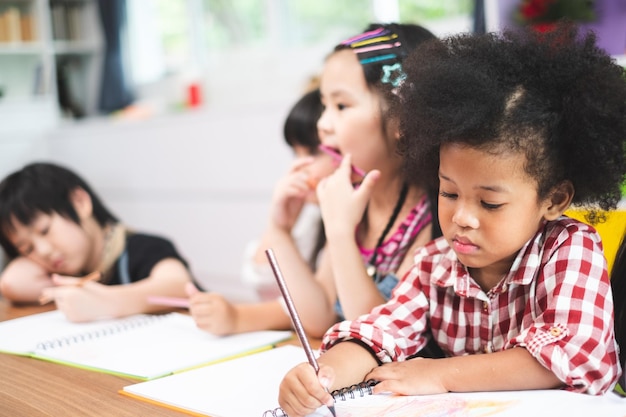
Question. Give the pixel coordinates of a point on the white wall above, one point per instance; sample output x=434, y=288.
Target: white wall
x=203, y=178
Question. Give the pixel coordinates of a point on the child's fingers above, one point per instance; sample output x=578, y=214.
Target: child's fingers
x=346, y=164
x=63, y=280
x=312, y=182
x=365, y=189
x=191, y=289
x=66, y=280
x=47, y=296
x=300, y=392
x=299, y=163
x=326, y=377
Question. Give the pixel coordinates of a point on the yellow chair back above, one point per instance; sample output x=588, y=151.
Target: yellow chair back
x=612, y=231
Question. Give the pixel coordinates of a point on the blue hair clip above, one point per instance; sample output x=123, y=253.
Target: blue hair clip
x=393, y=74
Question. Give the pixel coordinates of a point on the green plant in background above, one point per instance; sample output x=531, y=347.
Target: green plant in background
x=424, y=10
x=234, y=23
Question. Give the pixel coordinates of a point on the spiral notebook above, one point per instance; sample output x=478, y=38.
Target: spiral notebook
x=475, y=404
x=143, y=346
x=248, y=387
x=243, y=387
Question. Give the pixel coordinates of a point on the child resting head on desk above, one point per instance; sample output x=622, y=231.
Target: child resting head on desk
x=371, y=229
x=514, y=128
x=55, y=230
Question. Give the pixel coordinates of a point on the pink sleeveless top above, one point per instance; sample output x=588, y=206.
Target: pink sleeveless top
x=394, y=249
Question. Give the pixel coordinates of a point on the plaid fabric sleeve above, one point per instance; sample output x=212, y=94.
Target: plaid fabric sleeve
x=571, y=328
x=395, y=330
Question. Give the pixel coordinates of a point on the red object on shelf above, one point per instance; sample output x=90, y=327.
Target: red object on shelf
x=194, y=95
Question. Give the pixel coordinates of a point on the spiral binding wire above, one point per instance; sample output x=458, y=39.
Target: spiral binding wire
x=342, y=394
x=277, y=412
x=362, y=389
x=122, y=326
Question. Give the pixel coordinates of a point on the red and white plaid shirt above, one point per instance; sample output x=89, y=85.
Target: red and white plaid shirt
x=555, y=301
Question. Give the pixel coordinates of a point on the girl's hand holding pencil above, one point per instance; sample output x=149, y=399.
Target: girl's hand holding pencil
x=80, y=299
x=47, y=295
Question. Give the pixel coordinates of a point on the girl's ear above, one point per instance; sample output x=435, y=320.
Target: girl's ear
x=392, y=128
x=82, y=203
x=559, y=200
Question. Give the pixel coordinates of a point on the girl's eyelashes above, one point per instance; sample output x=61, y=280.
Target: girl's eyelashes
x=490, y=206
x=42, y=229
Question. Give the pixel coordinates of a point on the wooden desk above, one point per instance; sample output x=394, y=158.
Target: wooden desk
x=33, y=388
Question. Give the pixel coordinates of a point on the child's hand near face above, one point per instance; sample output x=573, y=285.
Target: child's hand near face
x=341, y=203
x=290, y=194
x=302, y=391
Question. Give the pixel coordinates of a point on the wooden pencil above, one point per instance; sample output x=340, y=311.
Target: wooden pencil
x=94, y=276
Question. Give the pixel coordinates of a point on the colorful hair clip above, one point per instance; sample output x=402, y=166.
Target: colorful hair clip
x=366, y=35
x=377, y=39
x=375, y=46
x=377, y=58
x=393, y=74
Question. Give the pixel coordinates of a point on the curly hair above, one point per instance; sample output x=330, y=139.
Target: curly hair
x=556, y=97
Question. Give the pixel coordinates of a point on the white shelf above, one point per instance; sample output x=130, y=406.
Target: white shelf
x=21, y=48
x=77, y=47
x=33, y=59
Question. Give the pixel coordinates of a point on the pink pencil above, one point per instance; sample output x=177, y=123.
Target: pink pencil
x=337, y=157
x=168, y=301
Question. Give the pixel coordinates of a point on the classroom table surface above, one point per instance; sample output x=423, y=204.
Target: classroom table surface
x=33, y=388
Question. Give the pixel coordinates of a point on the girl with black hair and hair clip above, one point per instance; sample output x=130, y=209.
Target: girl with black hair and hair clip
x=54, y=230
x=374, y=219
